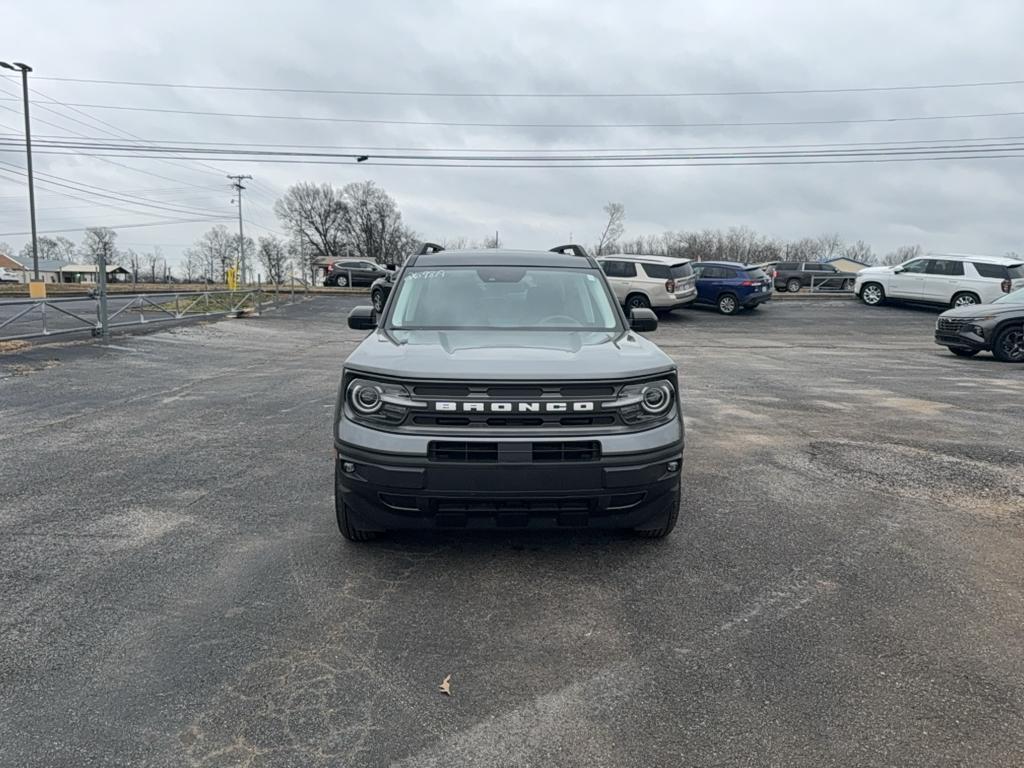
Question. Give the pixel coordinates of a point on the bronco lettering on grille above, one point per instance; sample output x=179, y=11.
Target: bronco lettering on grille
x=476, y=406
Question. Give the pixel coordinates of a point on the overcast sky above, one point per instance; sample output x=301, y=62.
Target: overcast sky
x=517, y=46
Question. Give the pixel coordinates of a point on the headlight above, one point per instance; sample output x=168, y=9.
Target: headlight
x=379, y=401
x=645, y=401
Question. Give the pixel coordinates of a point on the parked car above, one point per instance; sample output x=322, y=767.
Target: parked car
x=380, y=288
x=8, y=276
x=954, y=280
x=791, y=276
x=997, y=327
x=506, y=389
x=354, y=273
x=731, y=286
x=649, y=282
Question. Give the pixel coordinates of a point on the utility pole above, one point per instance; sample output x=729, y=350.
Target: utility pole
x=241, y=234
x=25, y=69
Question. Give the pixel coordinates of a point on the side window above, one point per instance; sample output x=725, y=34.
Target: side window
x=812, y=266
x=826, y=268
x=715, y=273
x=788, y=265
x=698, y=270
x=727, y=274
x=659, y=271
x=990, y=270
x=916, y=266
x=612, y=268
x=945, y=267
x=628, y=269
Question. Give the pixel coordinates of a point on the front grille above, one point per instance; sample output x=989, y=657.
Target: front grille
x=546, y=452
x=463, y=451
x=951, y=324
x=588, y=450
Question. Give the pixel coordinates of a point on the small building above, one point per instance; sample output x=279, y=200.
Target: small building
x=845, y=264
x=49, y=269
x=87, y=273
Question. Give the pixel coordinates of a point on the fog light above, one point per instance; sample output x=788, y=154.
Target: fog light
x=348, y=467
x=673, y=466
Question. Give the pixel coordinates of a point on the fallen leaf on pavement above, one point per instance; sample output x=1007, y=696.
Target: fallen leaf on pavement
x=444, y=686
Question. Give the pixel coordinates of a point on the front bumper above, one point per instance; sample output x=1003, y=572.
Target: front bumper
x=393, y=491
x=962, y=339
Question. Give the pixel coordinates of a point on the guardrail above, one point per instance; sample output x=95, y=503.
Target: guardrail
x=838, y=284
x=102, y=312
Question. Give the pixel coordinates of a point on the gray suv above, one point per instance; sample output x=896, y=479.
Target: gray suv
x=506, y=389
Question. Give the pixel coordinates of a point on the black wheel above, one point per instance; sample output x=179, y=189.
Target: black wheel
x=1008, y=346
x=963, y=351
x=670, y=522
x=793, y=285
x=341, y=281
x=349, y=531
x=965, y=300
x=638, y=301
x=872, y=294
x=728, y=304
x=847, y=285
x=378, y=301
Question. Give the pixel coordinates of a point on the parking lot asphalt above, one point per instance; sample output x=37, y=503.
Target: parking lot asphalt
x=845, y=587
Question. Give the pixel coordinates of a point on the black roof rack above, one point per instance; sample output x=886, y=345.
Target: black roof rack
x=429, y=248
x=571, y=248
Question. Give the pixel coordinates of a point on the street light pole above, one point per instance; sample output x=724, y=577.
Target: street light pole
x=241, y=234
x=25, y=69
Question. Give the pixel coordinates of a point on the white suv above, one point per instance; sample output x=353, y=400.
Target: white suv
x=955, y=280
x=8, y=276
x=655, y=282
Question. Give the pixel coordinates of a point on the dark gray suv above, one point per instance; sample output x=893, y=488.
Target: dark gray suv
x=506, y=389
x=998, y=327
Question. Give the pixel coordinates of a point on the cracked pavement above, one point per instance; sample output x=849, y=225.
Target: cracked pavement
x=845, y=586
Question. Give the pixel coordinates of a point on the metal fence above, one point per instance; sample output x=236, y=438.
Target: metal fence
x=837, y=284
x=101, y=312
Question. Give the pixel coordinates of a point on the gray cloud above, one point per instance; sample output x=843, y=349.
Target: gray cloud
x=527, y=46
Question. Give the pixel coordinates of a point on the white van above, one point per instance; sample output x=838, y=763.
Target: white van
x=951, y=279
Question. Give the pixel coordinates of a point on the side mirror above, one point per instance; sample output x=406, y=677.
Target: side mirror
x=390, y=267
x=643, y=320
x=898, y=270
x=362, y=319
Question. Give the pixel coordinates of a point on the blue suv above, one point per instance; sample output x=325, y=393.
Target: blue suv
x=731, y=286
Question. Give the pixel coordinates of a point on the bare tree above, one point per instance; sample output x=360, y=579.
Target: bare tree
x=191, y=265
x=153, y=261
x=217, y=247
x=273, y=255
x=455, y=243
x=373, y=224
x=613, y=228
x=490, y=242
x=860, y=251
x=804, y=249
x=830, y=245
x=57, y=248
x=902, y=254
x=99, y=241
x=133, y=261
x=316, y=215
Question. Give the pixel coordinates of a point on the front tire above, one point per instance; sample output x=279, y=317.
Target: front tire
x=793, y=286
x=1008, y=346
x=963, y=351
x=341, y=281
x=728, y=304
x=378, y=301
x=965, y=300
x=872, y=294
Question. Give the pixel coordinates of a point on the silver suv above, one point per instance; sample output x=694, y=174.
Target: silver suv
x=650, y=282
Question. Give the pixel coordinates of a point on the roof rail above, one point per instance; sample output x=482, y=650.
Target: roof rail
x=571, y=248
x=429, y=248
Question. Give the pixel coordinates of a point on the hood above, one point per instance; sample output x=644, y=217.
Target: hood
x=984, y=310
x=508, y=355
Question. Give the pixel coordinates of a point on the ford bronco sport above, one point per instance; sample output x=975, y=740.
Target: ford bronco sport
x=506, y=389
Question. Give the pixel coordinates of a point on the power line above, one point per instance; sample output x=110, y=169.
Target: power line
x=362, y=149
x=543, y=95
x=161, y=223
x=453, y=124
x=768, y=152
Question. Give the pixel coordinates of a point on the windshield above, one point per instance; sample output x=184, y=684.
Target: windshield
x=1017, y=297
x=456, y=298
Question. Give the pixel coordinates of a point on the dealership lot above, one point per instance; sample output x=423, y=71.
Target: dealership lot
x=845, y=587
